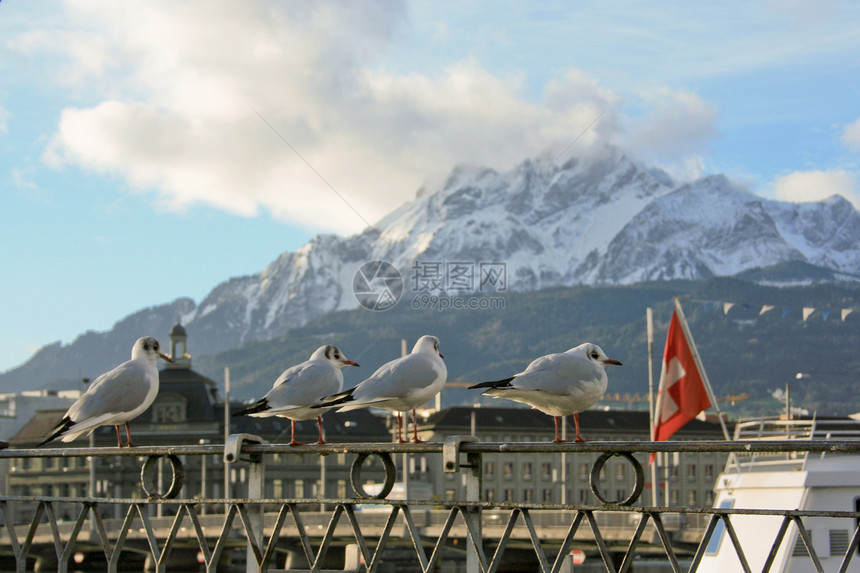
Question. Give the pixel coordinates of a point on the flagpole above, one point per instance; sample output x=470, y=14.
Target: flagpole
x=649, y=322
x=683, y=320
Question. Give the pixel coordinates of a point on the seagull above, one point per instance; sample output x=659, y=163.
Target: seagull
x=558, y=384
x=115, y=397
x=302, y=386
x=400, y=385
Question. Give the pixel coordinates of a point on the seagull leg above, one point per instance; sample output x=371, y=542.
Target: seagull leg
x=127, y=435
x=293, y=441
x=415, y=429
x=576, y=423
x=557, y=439
x=319, y=425
x=118, y=438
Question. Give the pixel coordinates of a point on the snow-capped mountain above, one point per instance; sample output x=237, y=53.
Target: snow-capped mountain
x=600, y=219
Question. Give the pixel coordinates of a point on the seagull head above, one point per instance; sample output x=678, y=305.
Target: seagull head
x=333, y=355
x=427, y=345
x=596, y=355
x=148, y=347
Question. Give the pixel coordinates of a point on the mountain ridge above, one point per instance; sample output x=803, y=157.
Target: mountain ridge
x=598, y=220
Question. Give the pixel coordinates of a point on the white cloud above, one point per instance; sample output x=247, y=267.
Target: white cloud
x=803, y=186
x=183, y=87
x=851, y=136
x=676, y=132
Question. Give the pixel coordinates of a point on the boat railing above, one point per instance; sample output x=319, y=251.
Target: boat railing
x=780, y=428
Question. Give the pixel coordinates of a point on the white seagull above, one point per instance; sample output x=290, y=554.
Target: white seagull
x=400, y=385
x=558, y=384
x=299, y=388
x=116, y=397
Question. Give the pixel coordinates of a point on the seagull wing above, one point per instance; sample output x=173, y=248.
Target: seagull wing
x=304, y=385
x=398, y=379
x=558, y=374
x=115, y=392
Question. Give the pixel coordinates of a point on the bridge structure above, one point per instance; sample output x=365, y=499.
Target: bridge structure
x=165, y=533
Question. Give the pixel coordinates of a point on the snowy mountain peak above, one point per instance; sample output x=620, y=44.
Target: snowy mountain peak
x=597, y=219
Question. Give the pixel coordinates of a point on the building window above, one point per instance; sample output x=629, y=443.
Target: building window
x=509, y=494
x=691, y=471
x=508, y=470
x=619, y=473
x=300, y=488
x=490, y=495
x=546, y=470
x=692, y=498
x=277, y=488
x=527, y=470
x=450, y=494
x=583, y=471
x=341, y=488
x=489, y=469
x=583, y=496
x=709, y=470
x=168, y=413
x=547, y=496
x=528, y=495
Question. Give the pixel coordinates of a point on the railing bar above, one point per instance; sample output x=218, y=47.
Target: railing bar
x=31, y=533
x=276, y=533
x=373, y=562
x=211, y=567
x=150, y=533
x=198, y=531
x=852, y=547
x=777, y=543
x=310, y=555
x=356, y=531
x=99, y=526
x=601, y=544
x=666, y=542
x=503, y=541
x=536, y=545
x=10, y=528
x=443, y=537
x=328, y=536
x=807, y=541
x=161, y=561
x=474, y=537
x=249, y=533
x=415, y=536
x=568, y=539
x=73, y=537
x=55, y=530
x=113, y=558
x=703, y=544
x=627, y=562
x=736, y=542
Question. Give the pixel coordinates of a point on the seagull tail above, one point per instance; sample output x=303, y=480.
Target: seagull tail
x=335, y=399
x=493, y=384
x=58, y=431
x=259, y=406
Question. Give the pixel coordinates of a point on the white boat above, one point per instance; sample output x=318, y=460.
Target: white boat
x=788, y=481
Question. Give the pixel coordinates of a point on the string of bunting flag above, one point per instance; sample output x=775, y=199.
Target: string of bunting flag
x=761, y=309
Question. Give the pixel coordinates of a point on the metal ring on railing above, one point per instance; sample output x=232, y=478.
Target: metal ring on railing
x=175, y=483
x=390, y=474
x=638, y=485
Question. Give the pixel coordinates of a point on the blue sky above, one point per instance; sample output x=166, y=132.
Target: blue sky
x=150, y=150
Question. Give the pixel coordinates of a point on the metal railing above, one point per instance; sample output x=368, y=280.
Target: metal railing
x=614, y=532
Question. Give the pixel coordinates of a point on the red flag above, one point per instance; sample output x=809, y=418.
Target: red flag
x=682, y=393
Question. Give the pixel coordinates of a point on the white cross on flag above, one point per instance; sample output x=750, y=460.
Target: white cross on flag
x=682, y=395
